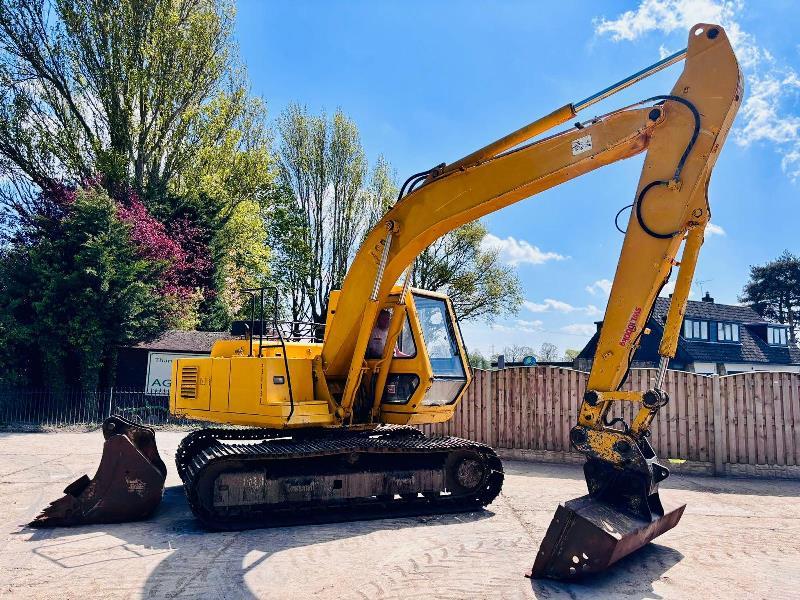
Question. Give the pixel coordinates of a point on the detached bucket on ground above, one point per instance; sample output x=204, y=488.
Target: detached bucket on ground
x=128, y=485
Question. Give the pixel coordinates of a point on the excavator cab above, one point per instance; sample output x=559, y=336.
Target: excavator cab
x=426, y=366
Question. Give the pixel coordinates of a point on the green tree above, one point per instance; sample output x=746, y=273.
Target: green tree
x=774, y=291
x=290, y=259
x=72, y=291
x=132, y=89
x=570, y=354
x=477, y=360
x=381, y=191
x=149, y=95
x=242, y=261
x=479, y=285
x=322, y=170
x=327, y=205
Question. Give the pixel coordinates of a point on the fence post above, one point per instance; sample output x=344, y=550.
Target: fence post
x=110, y=400
x=487, y=394
x=719, y=427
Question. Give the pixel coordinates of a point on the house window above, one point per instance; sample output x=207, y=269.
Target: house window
x=728, y=332
x=695, y=330
x=776, y=336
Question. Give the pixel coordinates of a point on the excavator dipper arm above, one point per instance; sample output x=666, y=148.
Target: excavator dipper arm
x=623, y=510
x=682, y=133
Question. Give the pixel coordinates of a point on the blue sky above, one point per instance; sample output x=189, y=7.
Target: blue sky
x=428, y=82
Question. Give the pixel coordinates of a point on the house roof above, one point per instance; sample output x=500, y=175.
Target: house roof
x=752, y=349
x=710, y=311
x=175, y=340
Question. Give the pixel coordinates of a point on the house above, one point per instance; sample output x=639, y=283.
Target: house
x=715, y=338
x=148, y=365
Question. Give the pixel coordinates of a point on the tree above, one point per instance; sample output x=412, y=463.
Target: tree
x=145, y=97
x=774, y=291
x=570, y=354
x=479, y=285
x=132, y=89
x=381, y=190
x=242, y=260
x=548, y=353
x=72, y=290
x=515, y=353
x=477, y=360
x=322, y=167
x=327, y=206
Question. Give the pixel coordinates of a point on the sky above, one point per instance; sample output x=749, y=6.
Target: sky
x=429, y=82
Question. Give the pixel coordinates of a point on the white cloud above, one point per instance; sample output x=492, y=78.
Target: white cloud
x=712, y=229
x=548, y=305
x=670, y=288
x=762, y=112
x=535, y=307
x=519, y=326
x=592, y=311
x=515, y=252
x=666, y=16
x=529, y=326
x=600, y=286
x=791, y=163
x=768, y=113
x=579, y=329
x=551, y=305
x=559, y=306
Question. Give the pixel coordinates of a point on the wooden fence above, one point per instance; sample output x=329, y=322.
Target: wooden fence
x=742, y=424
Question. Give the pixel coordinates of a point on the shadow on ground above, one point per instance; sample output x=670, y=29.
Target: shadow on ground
x=676, y=481
x=201, y=563
x=633, y=576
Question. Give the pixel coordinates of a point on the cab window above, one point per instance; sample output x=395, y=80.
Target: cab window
x=437, y=331
x=438, y=334
x=404, y=346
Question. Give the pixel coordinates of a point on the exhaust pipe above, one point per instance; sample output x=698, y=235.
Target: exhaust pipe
x=128, y=485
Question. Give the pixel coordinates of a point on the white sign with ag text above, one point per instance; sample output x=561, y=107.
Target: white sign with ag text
x=159, y=371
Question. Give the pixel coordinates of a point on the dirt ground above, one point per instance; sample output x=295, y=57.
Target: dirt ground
x=738, y=538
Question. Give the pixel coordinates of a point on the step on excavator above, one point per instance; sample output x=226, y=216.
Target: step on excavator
x=326, y=419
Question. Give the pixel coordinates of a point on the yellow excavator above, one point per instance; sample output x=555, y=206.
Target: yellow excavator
x=328, y=425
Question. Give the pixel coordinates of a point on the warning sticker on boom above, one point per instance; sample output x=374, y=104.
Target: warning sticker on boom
x=581, y=145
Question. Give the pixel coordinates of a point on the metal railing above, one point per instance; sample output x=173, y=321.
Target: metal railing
x=23, y=408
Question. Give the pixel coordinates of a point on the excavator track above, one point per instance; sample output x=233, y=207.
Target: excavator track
x=247, y=478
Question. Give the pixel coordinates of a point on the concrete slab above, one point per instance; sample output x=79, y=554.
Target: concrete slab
x=738, y=538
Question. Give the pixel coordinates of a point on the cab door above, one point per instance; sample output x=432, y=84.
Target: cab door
x=442, y=342
x=429, y=371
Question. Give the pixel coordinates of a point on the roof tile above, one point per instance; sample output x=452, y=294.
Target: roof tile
x=184, y=341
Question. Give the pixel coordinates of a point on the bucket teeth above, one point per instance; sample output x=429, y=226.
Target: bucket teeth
x=128, y=485
x=587, y=535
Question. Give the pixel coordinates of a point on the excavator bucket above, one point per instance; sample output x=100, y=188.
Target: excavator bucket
x=590, y=533
x=128, y=485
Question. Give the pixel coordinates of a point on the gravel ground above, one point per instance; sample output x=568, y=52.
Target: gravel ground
x=738, y=538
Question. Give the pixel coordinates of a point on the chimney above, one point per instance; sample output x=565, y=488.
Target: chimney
x=708, y=298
